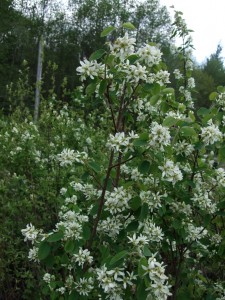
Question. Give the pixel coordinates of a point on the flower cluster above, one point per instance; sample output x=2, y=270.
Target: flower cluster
x=156, y=272
x=150, y=55
x=123, y=47
x=90, y=69
x=120, y=142
x=159, y=136
x=171, y=172
x=117, y=201
x=67, y=157
x=211, y=134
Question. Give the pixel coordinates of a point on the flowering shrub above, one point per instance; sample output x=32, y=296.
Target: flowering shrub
x=145, y=220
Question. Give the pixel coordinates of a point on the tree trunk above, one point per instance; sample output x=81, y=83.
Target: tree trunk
x=38, y=80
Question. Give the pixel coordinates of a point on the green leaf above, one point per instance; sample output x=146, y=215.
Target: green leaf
x=86, y=232
x=55, y=237
x=133, y=226
x=142, y=262
x=135, y=203
x=144, y=167
x=90, y=89
x=44, y=250
x=74, y=296
x=97, y=54
x=133, y=58
x=221, y=89
x=94, y=210
x=144, y=212
x=107, y=31
x=154, y=99
x=213, y=96
x=221, y=154
x=129, y=26
x=202, y=111
x=69, y=246
x=187, y=131
x=168, y=91
x=141, y=291
x=139, y=142
x=146, y=251
x=118, y=257
x=169, y=121
x=94, y=166
x=103, y=86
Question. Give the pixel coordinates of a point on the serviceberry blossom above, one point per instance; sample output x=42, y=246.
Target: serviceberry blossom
x=61, y=290
x=82, y=257
x=177, y=74
x=159, y=136
x=84, y=286
x=123, y=47
x=191, y=83
x=151, y=231
x=111, y=226
x=152, y=199
x=67, y=157
x=48, y=277
x=162, y=77
x=181, y=207
x=183, y=148
x=114, y=281
x=195, y=233
x=71, y=224
x=220, y=99
x=33, y=254
x=135, y=73
x=211, y=134
x=171, y=172
x=150, y=55
x=120, y=142
x=117, y=201
x=89, y=69
x=204, y=202
x=156, y=273
x=30, y=233
x=138, y=241
x=220, y=177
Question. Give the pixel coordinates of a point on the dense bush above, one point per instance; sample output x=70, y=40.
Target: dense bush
x=143, y=215
x=119, y=193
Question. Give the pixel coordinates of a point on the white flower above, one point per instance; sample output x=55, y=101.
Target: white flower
x=162, y=77
x=67, y=157
x=159, y=136
x=89, y=69
x=33, y=254
x=204, y=202
x=61, y=290
x=211, y=134
x=123, y=47
x=135, y=73
x=30, y=233
x=151, y=55
x=117, y=201
x=177, y=74
x=183, y=148
x=139, y=241
x=195, y=233
x=83, y=257
x=120, y=142
x=191, y=83
x=220, y=177
x=84, y=286
x=171, y=172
